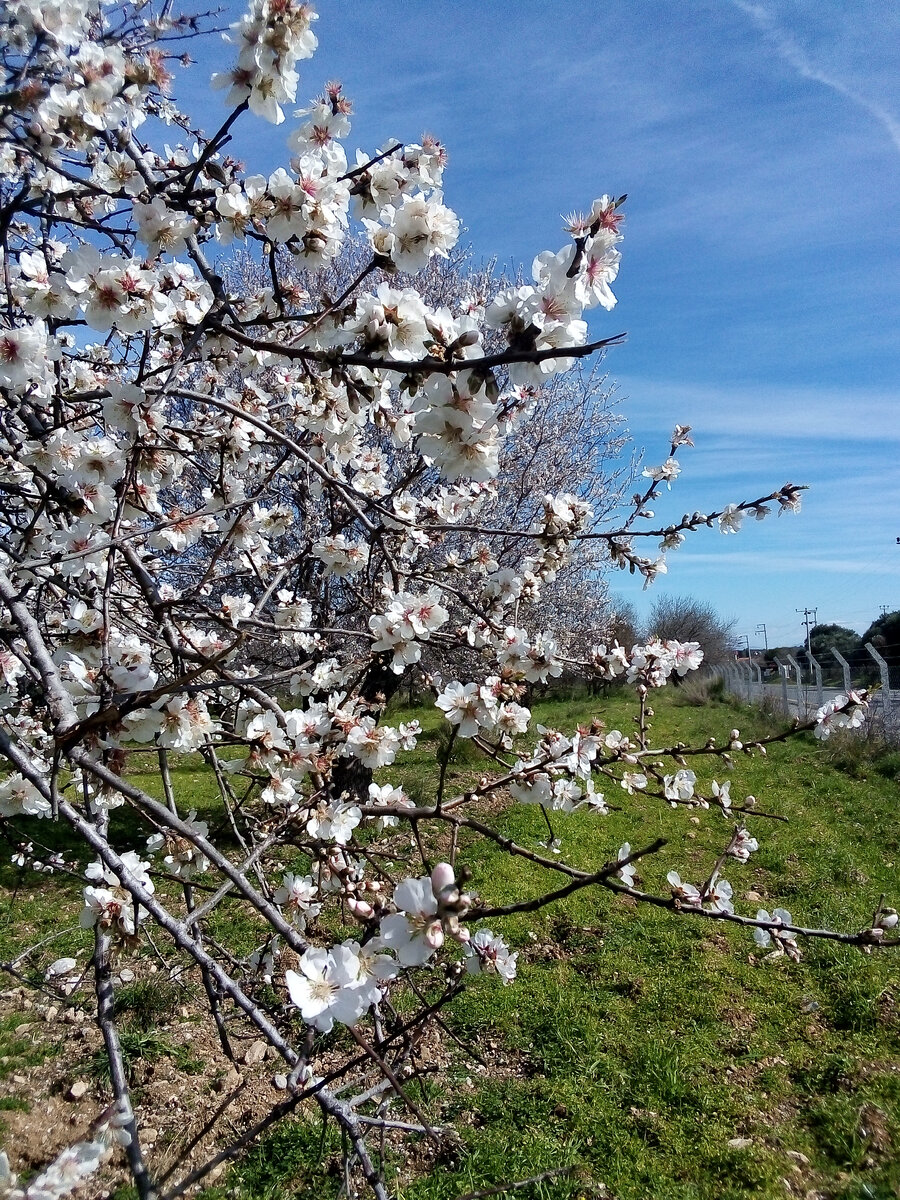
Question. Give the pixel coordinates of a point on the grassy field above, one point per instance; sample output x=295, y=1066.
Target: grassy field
x=660, y=1058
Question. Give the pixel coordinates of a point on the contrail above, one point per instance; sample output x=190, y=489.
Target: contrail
x=793, y=54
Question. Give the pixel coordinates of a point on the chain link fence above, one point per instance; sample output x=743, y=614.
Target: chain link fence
x=800, y=685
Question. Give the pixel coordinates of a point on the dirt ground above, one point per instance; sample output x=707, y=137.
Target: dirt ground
x=184, y=1085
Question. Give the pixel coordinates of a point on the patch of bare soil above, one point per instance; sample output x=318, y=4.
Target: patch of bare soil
x=189, y=1098
x=191, y=1101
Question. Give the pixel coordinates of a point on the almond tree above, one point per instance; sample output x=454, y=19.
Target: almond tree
x=192, y=473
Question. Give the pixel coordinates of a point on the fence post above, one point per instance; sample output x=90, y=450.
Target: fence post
x=732, y=684
x=801, y=699
x=783, y=673
x=818, y=673
x=887, y=700
x=759, y=682
x=747, y=668
x=845, y=667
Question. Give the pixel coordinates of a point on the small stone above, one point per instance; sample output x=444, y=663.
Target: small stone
x=126, y=975
x=149, y=1136
x=694, y=820
x=255, y=1053
x=799, y=1157
x=19, y=1079
x=740, y=1143
x=51, y=1013
x=280, y=1082
x=752, y=897
x=78, y=1089
x=22, y=1029
x=228, y=1082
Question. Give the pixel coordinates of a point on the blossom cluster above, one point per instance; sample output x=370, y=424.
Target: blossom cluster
x=843, y=712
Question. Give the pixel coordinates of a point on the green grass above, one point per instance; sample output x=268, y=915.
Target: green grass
x=635, y=1046
x=143, y=1045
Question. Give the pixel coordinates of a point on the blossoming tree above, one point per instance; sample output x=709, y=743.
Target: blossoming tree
x=197, y=480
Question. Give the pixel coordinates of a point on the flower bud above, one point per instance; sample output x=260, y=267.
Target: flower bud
x=434, y=935
x=443, y=878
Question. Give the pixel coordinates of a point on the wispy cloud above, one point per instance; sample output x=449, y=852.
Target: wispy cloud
x=764, y=410
x=795, y=56
x=797, y=563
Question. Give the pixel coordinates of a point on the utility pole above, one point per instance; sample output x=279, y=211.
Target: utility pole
x=807, y=613
x=762, y=629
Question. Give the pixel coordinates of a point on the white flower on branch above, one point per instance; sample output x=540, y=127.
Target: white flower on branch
x=666, y=472
x=329, y=987
x=182, y=857
x=743, y=845
x=467, y=708
x=111, y=910
x=19, y=797
x=718, y=897
x=486, y=953
x=785, y=941
x=680, y=786
x=333, y=822
x=843, y=712
x=731, y=519
x=722, y=794
x=684, y=893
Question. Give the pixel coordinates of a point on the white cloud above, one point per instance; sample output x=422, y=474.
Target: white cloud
x=789, y=49
x=764, y=410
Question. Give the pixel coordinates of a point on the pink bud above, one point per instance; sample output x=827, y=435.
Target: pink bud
x=361, y=909
x=434, y=935
x=442, y=879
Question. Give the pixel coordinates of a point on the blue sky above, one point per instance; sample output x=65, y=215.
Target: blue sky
x=759, y=144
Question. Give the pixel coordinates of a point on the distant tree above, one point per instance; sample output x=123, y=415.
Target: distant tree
x=623, y=626
x=686, y=619
x=779, y=654
x=826, y=638
x=884, y=634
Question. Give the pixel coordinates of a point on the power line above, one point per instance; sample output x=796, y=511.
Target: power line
x=807, y=613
